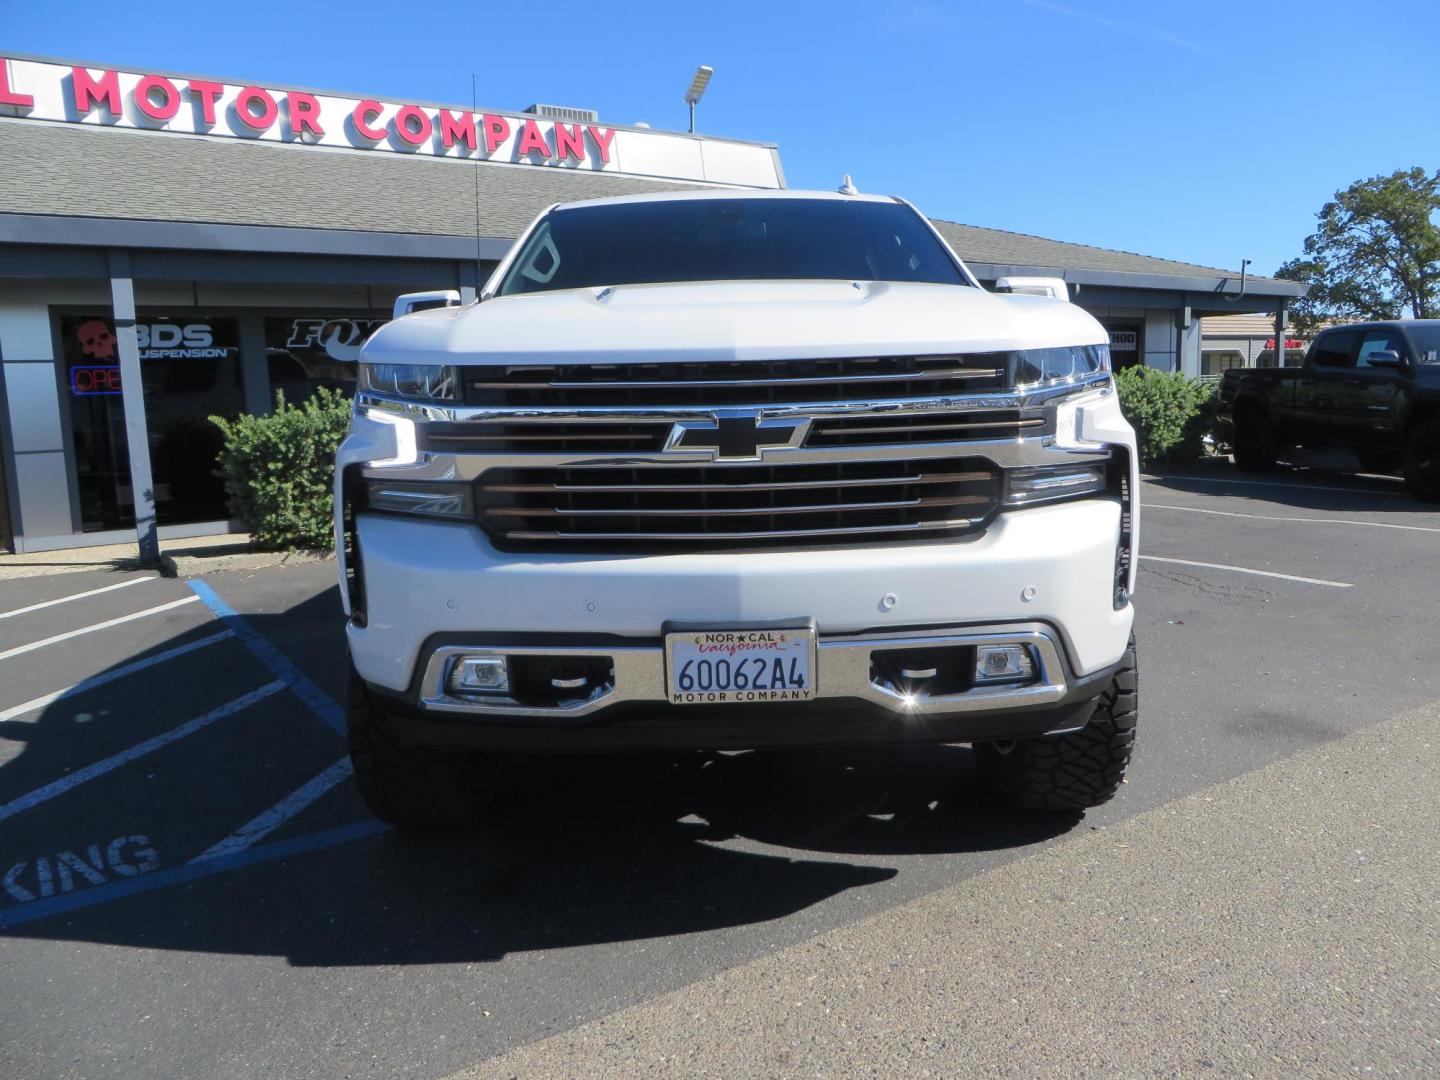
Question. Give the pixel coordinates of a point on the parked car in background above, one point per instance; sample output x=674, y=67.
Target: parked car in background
x=1370, y=388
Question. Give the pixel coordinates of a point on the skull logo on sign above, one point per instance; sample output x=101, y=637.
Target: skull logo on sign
x=96, y=339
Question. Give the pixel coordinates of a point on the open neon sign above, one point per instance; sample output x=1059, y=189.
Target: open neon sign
x=95, y=380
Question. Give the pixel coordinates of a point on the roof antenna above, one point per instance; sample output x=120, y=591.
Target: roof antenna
x=847, y=186
x=474, y=108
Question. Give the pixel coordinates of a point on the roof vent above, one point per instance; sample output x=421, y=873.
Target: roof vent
x=560, y=112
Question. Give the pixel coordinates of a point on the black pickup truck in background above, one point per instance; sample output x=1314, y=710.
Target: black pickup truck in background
x=1371, y=388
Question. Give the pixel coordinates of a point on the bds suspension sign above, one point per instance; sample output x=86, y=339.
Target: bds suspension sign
x=112, y=97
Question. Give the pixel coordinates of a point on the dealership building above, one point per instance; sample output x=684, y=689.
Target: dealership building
x=253, y=236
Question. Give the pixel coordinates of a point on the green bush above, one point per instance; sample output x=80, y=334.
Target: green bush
x=279, y=469
x=1170, y=412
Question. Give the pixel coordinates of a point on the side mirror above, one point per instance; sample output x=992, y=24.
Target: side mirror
x=1385, y=358
x=405, y=303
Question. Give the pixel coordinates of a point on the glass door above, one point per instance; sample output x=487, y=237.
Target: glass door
x=190, y=370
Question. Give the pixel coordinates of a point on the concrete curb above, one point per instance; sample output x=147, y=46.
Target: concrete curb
x=197, y=565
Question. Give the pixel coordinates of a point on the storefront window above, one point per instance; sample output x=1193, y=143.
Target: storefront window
x=1266, y=358
x=1214, y=361
x=304, y=352
x=1124, y=345
x=190, y=370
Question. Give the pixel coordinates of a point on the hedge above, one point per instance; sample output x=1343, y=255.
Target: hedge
x=279, y=469
x=1171, y=413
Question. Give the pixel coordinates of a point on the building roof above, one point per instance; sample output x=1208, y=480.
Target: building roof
x=62, y=171
x=1238, y=326
x=996, y=246
x=93, y=172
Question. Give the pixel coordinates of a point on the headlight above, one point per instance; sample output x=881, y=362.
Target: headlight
x=1055, y=365
x=429, y=382
x=1026, y=487
x=430, y=500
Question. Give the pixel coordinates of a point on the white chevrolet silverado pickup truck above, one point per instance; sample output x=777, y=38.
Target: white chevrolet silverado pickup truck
x=729, y=470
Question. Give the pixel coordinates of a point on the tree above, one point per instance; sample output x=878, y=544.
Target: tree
x=1376, y=253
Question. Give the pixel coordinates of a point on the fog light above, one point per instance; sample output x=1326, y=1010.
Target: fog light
x=479, y=675
x=1003, y=664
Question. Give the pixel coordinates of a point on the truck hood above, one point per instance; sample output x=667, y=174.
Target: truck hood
x=731, y=321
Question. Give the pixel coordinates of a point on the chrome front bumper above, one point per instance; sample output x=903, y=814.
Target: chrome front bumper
x=845, y=671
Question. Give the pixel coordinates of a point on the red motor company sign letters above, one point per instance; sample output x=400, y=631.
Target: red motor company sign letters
x=49, y=91
x=114, y=97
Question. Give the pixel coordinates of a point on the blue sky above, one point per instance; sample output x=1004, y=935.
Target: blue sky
x=1207, y=132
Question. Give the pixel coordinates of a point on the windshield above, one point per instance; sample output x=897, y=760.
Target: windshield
x=729, y=240
x=1426, y=340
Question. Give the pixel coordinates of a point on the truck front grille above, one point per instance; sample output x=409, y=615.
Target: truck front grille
x=749, y=382
x=700, y=506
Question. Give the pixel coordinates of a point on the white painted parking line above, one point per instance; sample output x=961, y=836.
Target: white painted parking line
x=1297, y=520
x=19, y=649
x=1247, y=570
x=35, y=704
x=76, y=596
x=100, y=768
x=278, y=814
x=1401, y=494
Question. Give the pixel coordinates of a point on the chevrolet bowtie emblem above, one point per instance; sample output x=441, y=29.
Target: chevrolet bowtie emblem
x=737, y=436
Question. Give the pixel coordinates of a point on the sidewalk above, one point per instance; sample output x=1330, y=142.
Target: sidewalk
x=1281, y=924
x=230, y=551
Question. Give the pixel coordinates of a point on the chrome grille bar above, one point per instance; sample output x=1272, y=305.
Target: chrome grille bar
x=708, y=383
x=481, y=436
x=720, y=486
x=918, y=375
x=762, y=534
x=733, y=511
x=864, y=427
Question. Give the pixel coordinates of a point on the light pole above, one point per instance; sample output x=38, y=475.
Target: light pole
x=697, y=90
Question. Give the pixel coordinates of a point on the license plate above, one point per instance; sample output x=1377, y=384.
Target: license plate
x=716, y=667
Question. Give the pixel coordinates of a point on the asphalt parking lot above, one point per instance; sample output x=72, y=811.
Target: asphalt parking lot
x=191, y=886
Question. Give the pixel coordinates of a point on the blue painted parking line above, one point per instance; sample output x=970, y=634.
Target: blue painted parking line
x=186, y=872
x=243, y=847
x=319, y=702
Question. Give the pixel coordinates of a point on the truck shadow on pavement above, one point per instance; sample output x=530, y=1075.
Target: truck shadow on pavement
x=586, y=850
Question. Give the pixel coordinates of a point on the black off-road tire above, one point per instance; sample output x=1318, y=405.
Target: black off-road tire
x=415, y=787
x=1256, y=447
x=1069, y=772
x=1422, y=460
